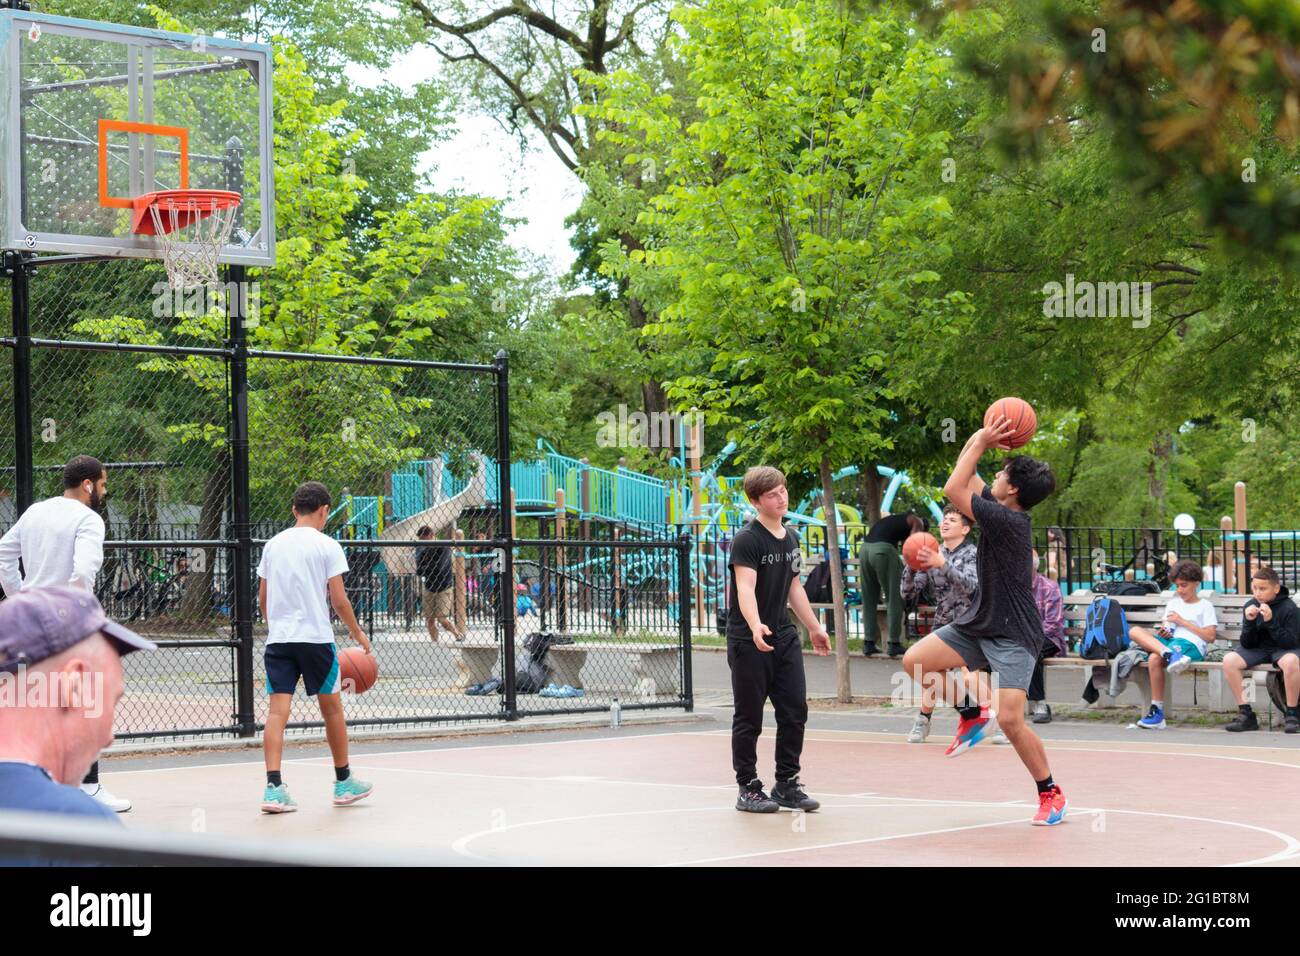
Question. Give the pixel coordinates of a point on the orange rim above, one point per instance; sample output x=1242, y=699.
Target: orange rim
x=191, y=205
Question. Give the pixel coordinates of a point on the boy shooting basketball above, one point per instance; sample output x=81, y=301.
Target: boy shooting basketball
x=1002, y=628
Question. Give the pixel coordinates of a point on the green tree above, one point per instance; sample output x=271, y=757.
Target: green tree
x=794, y=232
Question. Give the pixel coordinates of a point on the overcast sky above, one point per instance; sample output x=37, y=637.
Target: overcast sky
x=482, y=158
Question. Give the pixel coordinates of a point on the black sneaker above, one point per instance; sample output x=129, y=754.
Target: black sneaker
x=1292, y=724
x=752, y=799
x=1242, y=723
x=869, y=650
x=791, y=796
x=896, y=650
x=1043, y=716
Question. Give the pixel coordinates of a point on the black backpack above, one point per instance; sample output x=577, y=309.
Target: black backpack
x=530, y=667
x=1126, y=588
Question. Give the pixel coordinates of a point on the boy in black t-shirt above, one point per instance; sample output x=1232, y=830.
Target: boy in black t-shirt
x=1002, y=629
x=764, y=560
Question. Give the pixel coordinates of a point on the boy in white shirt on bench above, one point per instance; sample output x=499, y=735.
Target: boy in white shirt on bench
x=1179, y=641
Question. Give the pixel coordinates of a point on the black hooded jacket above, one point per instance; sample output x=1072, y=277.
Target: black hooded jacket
x=1282, y=632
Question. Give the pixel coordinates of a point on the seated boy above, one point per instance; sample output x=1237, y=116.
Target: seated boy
x=1270, y=633
x=951, y=577
x=1179, y=641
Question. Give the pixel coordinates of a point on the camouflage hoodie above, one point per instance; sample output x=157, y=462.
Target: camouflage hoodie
x=952, y=585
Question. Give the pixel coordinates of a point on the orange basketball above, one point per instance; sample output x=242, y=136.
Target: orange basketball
x=1021, y=416
x=358, y=669
x=913, y=545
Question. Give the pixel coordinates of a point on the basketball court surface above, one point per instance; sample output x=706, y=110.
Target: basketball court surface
x=660, y=795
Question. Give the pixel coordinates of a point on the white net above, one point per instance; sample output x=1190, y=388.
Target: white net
x=191, y=232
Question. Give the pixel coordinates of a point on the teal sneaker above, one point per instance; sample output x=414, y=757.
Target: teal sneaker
x=350, y=790
x=277, y=800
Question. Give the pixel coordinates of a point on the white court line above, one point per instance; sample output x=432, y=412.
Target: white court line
x=386, y=753
x=461, y=845
x=599, y=780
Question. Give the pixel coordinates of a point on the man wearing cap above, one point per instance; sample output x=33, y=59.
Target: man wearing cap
x=61, y=543
x=61, y=658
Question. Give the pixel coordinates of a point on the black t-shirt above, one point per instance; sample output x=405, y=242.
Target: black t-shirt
x=1004, y=600
x=434, y=566
x=891, y=529
x=777, y=561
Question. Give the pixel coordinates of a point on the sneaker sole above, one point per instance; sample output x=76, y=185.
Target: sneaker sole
x=1160, y=726
x=965, y=745
x=1049, y=822
x=277, y=808
x=1240, y=730
x=790, y=806
x=348, y=801
x=1176, y=669
x=757, y=809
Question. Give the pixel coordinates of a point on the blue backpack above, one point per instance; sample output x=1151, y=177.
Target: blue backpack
x=1105, y=631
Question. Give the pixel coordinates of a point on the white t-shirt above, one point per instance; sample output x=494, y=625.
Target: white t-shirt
x=61, y=543
x=297, y=565
x=1201, y=614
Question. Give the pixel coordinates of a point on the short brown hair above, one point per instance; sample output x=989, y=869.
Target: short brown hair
x=761, y=479
x=1265, y=573
x=954, y=510
x=1186, y=571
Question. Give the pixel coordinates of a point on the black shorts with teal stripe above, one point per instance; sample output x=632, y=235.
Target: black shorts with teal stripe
x=316, y=664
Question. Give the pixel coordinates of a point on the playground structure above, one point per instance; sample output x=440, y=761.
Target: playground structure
x=556, y=489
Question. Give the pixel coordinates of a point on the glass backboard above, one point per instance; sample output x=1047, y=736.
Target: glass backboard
x=93, y=115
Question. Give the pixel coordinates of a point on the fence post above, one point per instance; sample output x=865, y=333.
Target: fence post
x=562, y=582
x=458, y=570
x=240, y=493
x=506, y=526
x=19, y=272
x=684, y=617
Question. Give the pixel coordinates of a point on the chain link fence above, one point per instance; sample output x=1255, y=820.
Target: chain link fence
x=205, y=441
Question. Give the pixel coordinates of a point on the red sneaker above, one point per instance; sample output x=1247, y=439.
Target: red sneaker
x=1051, y=807
x=969, y=732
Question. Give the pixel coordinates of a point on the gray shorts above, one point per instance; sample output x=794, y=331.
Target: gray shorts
x=1010, y=660
x=1254, y=656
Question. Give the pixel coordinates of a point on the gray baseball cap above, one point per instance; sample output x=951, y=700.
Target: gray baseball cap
x=42, y=622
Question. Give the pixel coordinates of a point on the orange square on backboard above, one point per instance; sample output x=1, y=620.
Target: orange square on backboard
x=107, y=126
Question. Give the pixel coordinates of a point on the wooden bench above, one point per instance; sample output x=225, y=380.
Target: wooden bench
x=653, y=670
x=1147, y=610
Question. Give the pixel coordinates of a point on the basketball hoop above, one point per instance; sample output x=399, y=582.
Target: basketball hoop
x=192, y=226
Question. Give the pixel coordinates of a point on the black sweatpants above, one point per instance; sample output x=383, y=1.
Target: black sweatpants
x=757, y=676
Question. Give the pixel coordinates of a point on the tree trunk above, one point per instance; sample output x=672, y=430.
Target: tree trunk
x=196, y=603
x=873, y=490
x=844, y=693
x=1157, y=472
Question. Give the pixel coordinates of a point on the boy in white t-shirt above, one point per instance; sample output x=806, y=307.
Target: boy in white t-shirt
x=1179, y=640
x=299, y=567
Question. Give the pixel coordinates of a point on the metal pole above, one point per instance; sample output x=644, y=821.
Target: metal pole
x=506, y=598
x=19, y=272
x=684, y=617
x=242, y=531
